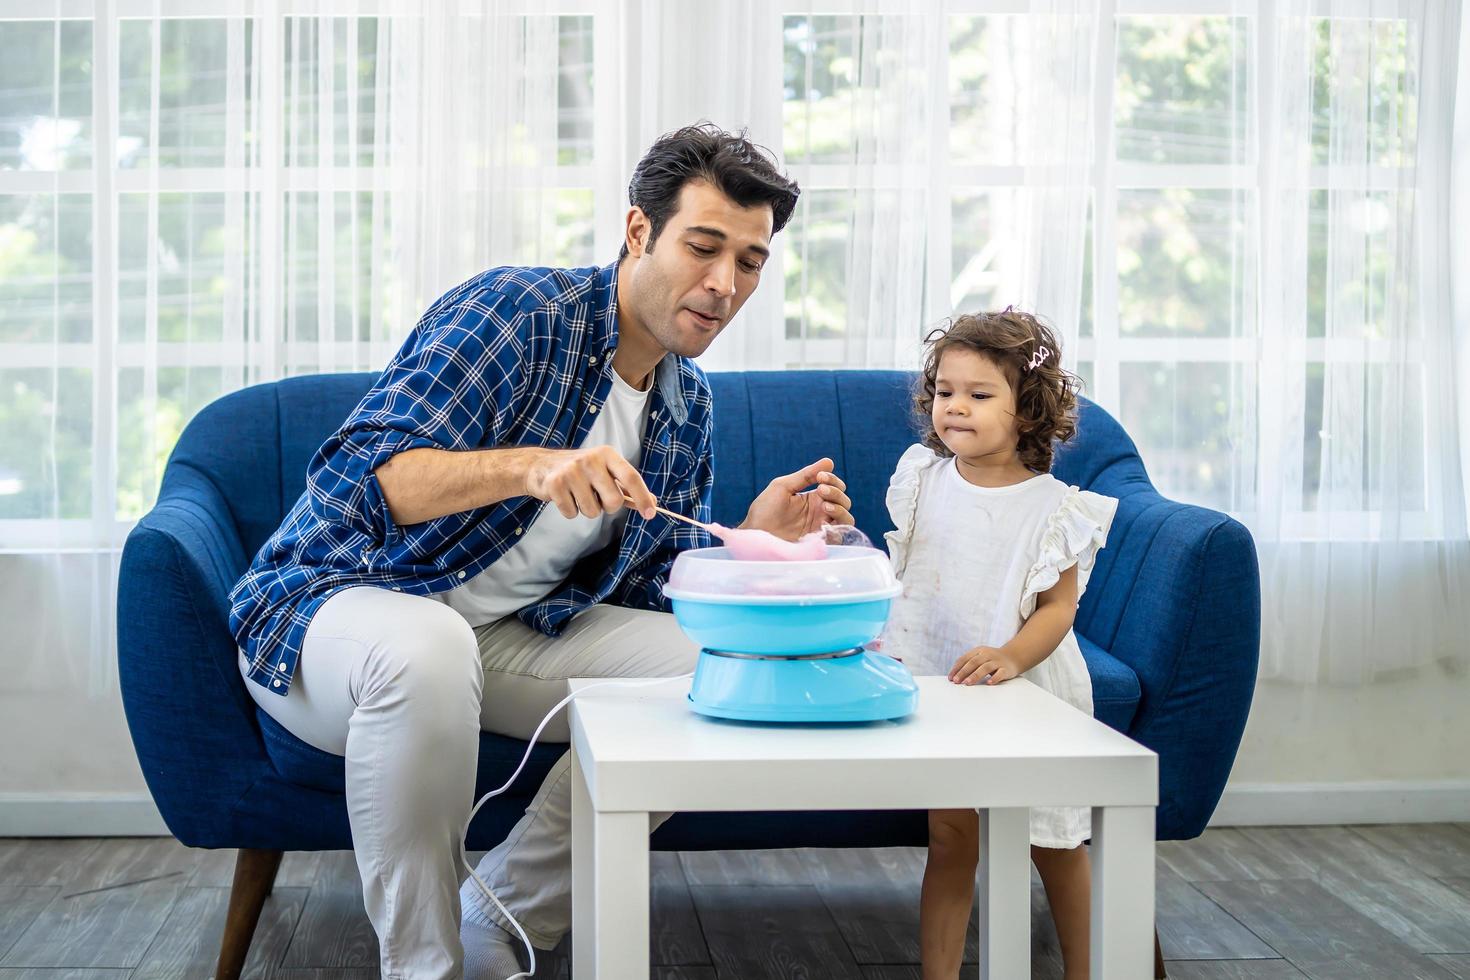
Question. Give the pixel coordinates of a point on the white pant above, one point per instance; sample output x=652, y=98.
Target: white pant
x=394, y=683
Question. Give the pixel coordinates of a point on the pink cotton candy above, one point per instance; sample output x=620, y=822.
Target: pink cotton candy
x=753, y=544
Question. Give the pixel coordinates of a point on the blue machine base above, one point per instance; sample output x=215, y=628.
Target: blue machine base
x=850, y=686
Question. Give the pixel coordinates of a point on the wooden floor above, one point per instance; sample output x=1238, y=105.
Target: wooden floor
x=1238, y=904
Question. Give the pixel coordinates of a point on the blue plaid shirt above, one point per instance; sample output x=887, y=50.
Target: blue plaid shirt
x=514, y=357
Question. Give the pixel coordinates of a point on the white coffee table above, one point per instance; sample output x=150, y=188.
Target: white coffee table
x=1000, y=749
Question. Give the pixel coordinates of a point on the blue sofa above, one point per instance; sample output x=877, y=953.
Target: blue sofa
x=1169, y=626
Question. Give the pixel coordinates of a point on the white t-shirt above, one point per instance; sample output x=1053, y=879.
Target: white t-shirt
x=536, y=565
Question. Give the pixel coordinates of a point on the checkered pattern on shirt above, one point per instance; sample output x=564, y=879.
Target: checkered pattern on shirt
x=513, y=357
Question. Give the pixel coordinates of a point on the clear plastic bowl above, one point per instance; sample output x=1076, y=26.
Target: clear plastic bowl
x=847, y=574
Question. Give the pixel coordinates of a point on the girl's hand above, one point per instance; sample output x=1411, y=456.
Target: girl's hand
x=982, y=663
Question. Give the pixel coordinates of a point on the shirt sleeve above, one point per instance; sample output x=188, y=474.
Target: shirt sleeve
x=452, y=386
x=1075, y=532
x=902, y=500
x=643, y=588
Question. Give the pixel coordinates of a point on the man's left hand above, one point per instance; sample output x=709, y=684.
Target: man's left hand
x=788, y=511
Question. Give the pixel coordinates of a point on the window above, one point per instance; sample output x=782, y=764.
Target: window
x=132, y=291
x=1168, y=333
x=228, y=131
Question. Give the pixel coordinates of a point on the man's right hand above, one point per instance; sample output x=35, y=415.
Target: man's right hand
x=588, y=481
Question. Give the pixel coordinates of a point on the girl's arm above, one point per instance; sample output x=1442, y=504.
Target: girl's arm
x=1056, y=608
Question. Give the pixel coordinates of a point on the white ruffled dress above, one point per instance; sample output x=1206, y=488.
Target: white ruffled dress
x=973, y=561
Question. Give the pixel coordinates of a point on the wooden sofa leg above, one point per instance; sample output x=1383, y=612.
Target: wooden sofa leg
x=255, y=874
x=1159, y=972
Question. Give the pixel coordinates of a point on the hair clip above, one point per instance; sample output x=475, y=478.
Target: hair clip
x=1008, y=308
x=1039, y=358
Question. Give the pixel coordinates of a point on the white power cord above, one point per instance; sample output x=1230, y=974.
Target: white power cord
x=463, y=857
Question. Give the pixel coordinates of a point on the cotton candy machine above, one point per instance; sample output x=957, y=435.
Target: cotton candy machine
x=783, y=640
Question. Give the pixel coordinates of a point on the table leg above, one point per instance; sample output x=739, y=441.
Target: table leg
x=581, y=870
x=1122, y=892
x=610, y=890
x=1005, y=893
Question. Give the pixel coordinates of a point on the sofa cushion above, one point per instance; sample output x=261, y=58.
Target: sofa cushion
x=1115, y=689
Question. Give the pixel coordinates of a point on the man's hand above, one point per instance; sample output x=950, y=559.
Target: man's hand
x=787, y=512
x=588, y=481
x=981, y=663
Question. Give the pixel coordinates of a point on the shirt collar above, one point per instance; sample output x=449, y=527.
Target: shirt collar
x=668, y=378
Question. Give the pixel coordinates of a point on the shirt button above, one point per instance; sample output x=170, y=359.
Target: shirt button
x=520, y=530
x=276, y=684
x=397, y=588
x=593, y=409
x=593, y=359
x=281, y=665
x=461, y=574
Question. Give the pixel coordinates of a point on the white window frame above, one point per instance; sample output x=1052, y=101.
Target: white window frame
x=1105, y=348
x=104, y=183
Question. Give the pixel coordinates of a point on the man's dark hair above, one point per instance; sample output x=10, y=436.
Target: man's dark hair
x=743, y=171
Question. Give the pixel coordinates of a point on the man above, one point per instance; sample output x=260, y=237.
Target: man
x=420, y=590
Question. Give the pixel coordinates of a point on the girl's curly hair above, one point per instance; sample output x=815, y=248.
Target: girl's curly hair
x=1046, y=395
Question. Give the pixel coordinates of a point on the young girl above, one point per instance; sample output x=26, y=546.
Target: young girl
x=993, y=552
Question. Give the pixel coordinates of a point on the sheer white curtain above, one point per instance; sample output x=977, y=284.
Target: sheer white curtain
x=942, y=114
x=199, y=196
x=881, y=179
x=472, y=114
x=1458, y=214
x=1267, y=308
x=1058, y=134
x=1359, y=506
x=687, y=62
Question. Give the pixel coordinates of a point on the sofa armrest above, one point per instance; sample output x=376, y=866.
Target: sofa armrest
x=1190, y=627
x=191, y=721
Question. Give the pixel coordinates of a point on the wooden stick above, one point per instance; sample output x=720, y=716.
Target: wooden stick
x=680, y=517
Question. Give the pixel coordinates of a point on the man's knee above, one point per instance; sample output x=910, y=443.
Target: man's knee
x=429, y=654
